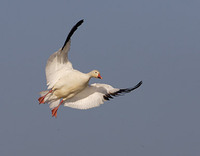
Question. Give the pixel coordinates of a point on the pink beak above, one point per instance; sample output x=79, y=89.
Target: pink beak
x=99, y=76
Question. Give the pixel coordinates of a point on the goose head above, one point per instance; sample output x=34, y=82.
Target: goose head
x=95, y=74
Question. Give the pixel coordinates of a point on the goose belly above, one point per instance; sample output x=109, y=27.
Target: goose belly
x=68, y=91
x=70, y=84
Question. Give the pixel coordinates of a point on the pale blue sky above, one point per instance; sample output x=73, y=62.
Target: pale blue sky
x=155, y=41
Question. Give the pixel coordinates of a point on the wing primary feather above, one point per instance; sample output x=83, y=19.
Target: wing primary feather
x=127, y=90
x=121, y=91
x=72, y=32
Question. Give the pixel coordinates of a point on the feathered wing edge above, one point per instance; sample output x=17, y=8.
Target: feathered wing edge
x=109, y=96
x=61, y=54
x=58, y=62
x=72, y=32
x=95, y=94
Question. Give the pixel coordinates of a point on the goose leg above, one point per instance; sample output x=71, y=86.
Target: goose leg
x=41, y=99
x=54, y=111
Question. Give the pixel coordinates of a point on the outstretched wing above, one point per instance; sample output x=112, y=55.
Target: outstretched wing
x=58, y=62
x=95, y=95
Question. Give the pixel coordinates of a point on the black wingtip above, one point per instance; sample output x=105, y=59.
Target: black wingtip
x=77, y=24
x=138, y=85
x=121, y=91
x=135, y=87
x=72, y=32
x=81, y=21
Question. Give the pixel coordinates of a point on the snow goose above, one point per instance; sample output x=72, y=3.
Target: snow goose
x=70, y=87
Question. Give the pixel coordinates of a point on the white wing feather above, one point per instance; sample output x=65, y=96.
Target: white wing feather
x=57, y=65
x=91, y=96
x=58, y=62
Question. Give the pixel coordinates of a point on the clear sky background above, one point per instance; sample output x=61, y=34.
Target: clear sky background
x=156, y=41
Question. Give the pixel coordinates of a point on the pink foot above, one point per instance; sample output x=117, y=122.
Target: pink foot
x=41, y=99
x=54, y=111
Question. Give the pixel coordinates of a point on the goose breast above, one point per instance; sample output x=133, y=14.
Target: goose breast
x=71, y=84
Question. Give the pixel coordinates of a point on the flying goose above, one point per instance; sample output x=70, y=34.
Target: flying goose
x=70, y=87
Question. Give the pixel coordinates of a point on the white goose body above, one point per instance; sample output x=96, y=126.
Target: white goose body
x=70, y=84
x=71, y=87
